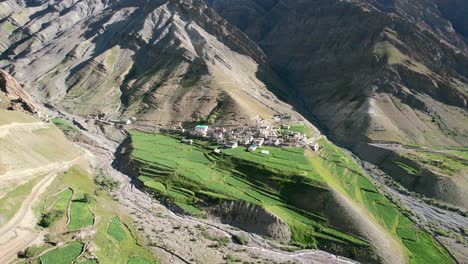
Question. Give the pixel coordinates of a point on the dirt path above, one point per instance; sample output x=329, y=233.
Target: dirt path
x=19, y=231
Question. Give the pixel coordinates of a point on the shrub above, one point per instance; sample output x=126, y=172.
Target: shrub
x=87, y=198
x=49, y=218
x=241, y=239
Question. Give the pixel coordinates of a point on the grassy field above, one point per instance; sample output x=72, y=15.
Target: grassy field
x=64, y=255
x=408, y=168
x=63, y=199
x=80, y=215
x=301, y=129
x=115, y=230
x=114, y=238
x=349, y=179
x=137, y=260
x=447, y=164
x=63, y=125
x=190, y=174
x=58, y=209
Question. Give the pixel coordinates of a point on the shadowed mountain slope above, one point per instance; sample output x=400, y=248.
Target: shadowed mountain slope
x=371, y=71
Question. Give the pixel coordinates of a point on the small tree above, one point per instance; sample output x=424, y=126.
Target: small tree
x=87, y=198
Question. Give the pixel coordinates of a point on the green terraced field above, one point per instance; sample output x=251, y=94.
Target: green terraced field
x=80, y=215
x=63, y=125
x=188, y=174
x=63, y=255
x=62, y=200
x=348, y=177
x=115, y=230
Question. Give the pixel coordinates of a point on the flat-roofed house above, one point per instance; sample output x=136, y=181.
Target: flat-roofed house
x=231, y=144
x=252, y=148
x=201, y=130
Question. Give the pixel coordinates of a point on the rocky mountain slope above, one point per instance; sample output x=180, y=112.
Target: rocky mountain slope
x=377, y=76
x=370, y=71
x=161, y=61
x=401, y=74
x=13, y=97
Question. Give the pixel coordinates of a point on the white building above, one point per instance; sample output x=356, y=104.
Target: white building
x=231, y=144
x=252, y=148
x=259, y=141
x=201, y=130
x=315, y=147
x=187, y=141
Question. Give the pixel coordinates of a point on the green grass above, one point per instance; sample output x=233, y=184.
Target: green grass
x=63, y=125
x=189, y=174
x=58, y=209
x=80, y=215
x=449, y=164
x=346, y=176
x=107, y=248
x=190, y=209
x=8, y=27
x=138, y=260
x=115, y=230
x=301, y=129
x=35, y=250
x=408, y=168
x=63, y=200
x=89, y=261
x=63, y=255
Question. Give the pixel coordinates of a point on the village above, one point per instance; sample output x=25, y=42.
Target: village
x=253, y=137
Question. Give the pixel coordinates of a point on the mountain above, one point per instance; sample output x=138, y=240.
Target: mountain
x=371, y=72
x=386, y=79
x=161, y=61
x=400, y=72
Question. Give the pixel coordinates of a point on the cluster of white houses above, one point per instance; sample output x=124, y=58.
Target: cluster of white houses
x=253, y=137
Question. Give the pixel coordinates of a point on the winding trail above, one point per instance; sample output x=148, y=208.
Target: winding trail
x=18, y=232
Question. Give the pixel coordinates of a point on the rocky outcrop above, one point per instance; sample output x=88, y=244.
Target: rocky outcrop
x=14, y=97
x=251, y=218
x=450, y=189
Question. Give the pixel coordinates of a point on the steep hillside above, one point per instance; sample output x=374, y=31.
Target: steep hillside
x=319, y=200
x=13, y=97
x=369, y=71
x=161, y=61
x=386, y=78
x=51, y=209
x=401, y=74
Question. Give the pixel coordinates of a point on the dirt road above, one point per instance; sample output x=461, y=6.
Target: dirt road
x=18, y=233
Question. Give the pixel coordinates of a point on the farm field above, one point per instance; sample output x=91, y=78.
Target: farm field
x=342, y=172
x=80, y=215
x=115, y=230
x=64, y=255
x=113, y=235
x=63, y=125
x=57, y=209
x=191, y=174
